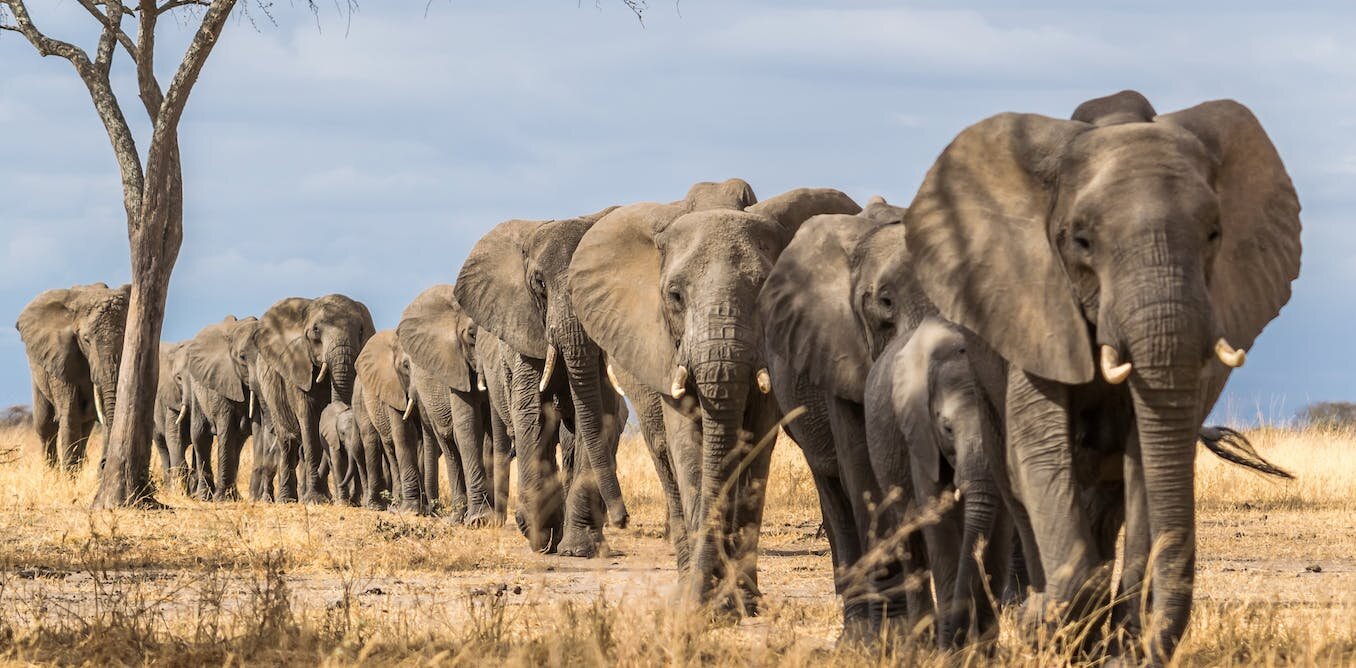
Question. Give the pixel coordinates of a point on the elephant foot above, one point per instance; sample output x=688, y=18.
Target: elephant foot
x=315, y=498
x=375, y=504
x=223, y=495
x=413, y=508
x=619, y=520
x=479, y=516
x=150, y=503
x=578, y=543
x=857, y=632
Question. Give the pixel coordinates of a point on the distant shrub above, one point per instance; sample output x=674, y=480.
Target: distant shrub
x=1328, y=414
x=18, y=415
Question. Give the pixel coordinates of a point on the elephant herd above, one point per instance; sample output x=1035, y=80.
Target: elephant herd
x=1025, y=354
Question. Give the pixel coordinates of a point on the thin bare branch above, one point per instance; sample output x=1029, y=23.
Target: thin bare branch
x=112, y=23
x=148, y=87
x=172, y=108
x=176, y=4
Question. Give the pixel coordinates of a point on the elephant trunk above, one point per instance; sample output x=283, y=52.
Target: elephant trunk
x=583, y=362
x=979, y=499
x=108, y=399
x=341, y=372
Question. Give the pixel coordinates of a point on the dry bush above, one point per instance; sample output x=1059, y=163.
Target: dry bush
x=254, y=583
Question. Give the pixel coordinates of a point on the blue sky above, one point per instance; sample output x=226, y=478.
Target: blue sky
x=367, y=158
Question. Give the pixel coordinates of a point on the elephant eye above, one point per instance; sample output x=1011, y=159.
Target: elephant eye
x=1083, y=241
x=1214, y=235
x=315, y=332
x=675, y=297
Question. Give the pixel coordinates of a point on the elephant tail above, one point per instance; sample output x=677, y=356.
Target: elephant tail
x=1234, y=447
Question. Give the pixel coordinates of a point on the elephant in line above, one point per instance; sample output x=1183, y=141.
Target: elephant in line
x=171, y=435
x=308, y=349
x=821, y=347
x=340, y=432
x=1120, y=263
x=385, y=419
x=223, y=406
x=669, y=291
x=73, y=338
x=513, y=284
x=438, y=340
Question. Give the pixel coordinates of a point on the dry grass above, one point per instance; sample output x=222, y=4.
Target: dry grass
x=252, y=583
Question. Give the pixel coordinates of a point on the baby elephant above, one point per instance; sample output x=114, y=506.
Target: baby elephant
x=339, y=433
x=932, y=428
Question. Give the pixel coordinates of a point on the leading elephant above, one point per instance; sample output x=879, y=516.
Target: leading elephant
x=73, y=337
x=307, y=354
x=671, y=297
x=1120, y=262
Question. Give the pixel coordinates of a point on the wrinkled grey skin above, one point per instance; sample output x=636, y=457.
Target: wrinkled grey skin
x=387, y=423
x=670, y=294
x=820, y=352
x=513, y=285
x=73, y=338
x=218, y=365
x=296, y=337
x=1155, y=235
x=171, y=433
x=438, y=340
x=930, y=416
x=343, y=443
x=492, y=371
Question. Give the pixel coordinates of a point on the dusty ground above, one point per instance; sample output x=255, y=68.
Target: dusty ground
x=213, y=583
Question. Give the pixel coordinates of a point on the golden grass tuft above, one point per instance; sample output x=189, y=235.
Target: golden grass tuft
x=254, y=583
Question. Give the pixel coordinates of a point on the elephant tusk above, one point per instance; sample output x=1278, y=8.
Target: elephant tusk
x=958, y=495
x=1112, y=370
x=764, y=381
x=251, y=408
x=183, y=413
x=480, y=382
x=324, y=368
x=612, y=378
x=99, y=405
x=409, y=409
x=549, y=370
x=1226, y=353
x=678, y=387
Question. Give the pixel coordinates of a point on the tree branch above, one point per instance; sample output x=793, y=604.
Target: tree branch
x=112, y=23
x=176, y=4
x=177, y=96
x=148, y=87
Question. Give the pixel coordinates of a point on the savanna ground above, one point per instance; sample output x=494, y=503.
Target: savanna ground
x=208, y=584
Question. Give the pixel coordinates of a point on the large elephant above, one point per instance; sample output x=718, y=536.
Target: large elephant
x=933, y=391
x=1120, y=262
x=218, y=363
x=438, y=340
x=671, y=296
x=73, y=337
x=513, y=284
x=821, y=350
x=171, y=435
x=307, y=352
x=385, y=409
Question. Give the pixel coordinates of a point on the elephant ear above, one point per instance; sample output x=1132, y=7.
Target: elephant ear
x=1259, y=254
x=209, y=361
x=432, y=332
x=596, y=216
x=492, y=288
x=47, y=328
x=913, y=392
x=1127, y=106
x=376, y=370
x=977, y=231
x=807, y=308
x=167, y=386
x=793, y=207
x=283, y=343
x=727, y=194
x=614, y=287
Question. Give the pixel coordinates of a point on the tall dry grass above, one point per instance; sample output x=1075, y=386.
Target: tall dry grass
x=254, y=583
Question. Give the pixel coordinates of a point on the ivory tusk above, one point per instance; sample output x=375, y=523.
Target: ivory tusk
x=958, y=495
x=764, y=381
x=549, y=370
x=251, y=408
x=324, y=368
x=678, y=387
x=480, y=382
x=99, y=405
x=612, y=378
x=1112, y=370
x=183, y=414
x=1226, y=353
x=409, y=409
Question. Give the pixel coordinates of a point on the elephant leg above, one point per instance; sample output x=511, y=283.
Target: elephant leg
x=289, y=455
x=503, y=452
x=683, y=434
x=540, y=511
x=430, y=449
x=201, y=436
x=750, y=500
x=266, y=453
x=1131, y=596
x=469, y=440
x=176, y=440
x=46, y=425
x=71, y=433
x=229, y=444
x=314, y=486
x=650, y=415
x=373, y=460
x=409, y=482
x=845, y=546
x=578, y=540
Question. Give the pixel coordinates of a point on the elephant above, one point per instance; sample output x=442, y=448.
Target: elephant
x=385, y=408
x=513, y=284
x=307, y=352
x=1120, y=262
x=932, y=391
x=438, y=340
x=494, y=378
x=218, y=363
x=171, y=430
x=343, y=442
x=73, y=338
x=821, y=350
x=669, y=292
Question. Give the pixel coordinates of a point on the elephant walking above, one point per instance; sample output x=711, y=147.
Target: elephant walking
x=73, y=338
x=386, y=425
x=669, y=293
x=219, y=361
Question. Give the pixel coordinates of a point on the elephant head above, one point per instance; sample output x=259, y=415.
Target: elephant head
x=307, y=340
x=384, y=370
x=219, y=358
x=514, y=285
x=951, y=430
x=76, y=334
x=672, y=297
x=439, y=338
x=886, y=298
x=1155, y=247
x=169, y=387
